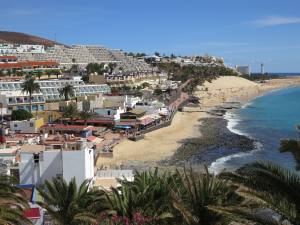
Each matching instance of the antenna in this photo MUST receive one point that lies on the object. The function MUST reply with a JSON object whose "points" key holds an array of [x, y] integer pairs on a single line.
{"points": [[55, 37]]}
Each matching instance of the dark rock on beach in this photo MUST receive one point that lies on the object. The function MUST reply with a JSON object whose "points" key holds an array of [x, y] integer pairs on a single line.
{"points": [[216, 141]]}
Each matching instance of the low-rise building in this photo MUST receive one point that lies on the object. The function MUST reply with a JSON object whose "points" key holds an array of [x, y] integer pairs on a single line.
{"points": [[38, 164], [26, 126], [112, 107], [244, 70], [78, 130], [132, 115]]}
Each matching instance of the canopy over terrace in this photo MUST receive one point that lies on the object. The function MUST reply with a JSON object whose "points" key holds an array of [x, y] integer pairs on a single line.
{"points": [[126, 125]]}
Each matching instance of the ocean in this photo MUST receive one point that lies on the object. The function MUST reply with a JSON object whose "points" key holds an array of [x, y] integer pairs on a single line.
{"points": [[266, 119]]}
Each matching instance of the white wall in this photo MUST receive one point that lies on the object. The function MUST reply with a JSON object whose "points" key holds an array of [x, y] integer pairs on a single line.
{"points": [[53, 163], [72, 167], [23, 126], [28, 170], [49, 166]]}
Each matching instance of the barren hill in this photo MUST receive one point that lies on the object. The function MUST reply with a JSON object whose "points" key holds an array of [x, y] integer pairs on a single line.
{"points": [[22, 38]]}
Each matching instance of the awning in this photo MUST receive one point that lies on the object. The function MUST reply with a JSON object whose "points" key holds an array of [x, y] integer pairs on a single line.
{"points": [[32, 213], [94, 139], [146, 121], [123, 127], [127, 123]]}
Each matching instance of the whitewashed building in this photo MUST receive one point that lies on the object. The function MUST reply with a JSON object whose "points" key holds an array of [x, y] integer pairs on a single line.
{"points": [[26, 126], [38, 164]]}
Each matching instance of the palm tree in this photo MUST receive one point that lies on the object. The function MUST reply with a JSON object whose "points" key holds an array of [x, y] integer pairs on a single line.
{"points": [[273, 187], [69, 205], [70, 111], [67, 92], [147, 195], [85, 115], [199, 198], [111, 67], [12, 203], [30, 86]]}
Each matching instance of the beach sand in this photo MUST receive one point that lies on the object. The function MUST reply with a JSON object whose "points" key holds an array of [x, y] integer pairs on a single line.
{"points": [[162, 144]]}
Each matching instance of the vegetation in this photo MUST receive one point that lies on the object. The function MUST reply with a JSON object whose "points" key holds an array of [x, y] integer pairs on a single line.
{"points": [[272, 187], [85, 115], [137, 55], [293, 146], [71, 112], [100, 68], [68, 204], [158, 92], [12, 203], [199, 74], [155, 198], [260, 77], [20, 114], [127, 90], [67, 92], [30, 86]]}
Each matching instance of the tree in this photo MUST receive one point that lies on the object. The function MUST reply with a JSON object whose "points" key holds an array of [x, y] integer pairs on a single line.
{"points": [[111, 67], [67, 92], [96, 68], [145, 85], [69, 205], [147, 195], [85, 115], [293, 146], [70, 111], [85, 78], [12, 203], [30, 86], [158, 92], [199, 197], [157, 54], [20, 114], [39, 74], [274, 187], [56, 72]]}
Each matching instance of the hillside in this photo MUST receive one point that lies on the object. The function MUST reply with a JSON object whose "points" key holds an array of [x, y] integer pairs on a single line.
{"points": [[22, 38]]}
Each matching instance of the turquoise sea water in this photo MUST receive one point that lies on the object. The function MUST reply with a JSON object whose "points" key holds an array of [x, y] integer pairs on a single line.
{"points": [[267, 119]]}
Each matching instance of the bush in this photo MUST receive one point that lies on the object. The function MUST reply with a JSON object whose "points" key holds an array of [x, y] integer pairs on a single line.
{"points": [[21, 114]]}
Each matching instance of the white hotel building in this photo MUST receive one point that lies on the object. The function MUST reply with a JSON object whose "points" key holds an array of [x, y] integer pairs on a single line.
{"points": [[12, 97]]}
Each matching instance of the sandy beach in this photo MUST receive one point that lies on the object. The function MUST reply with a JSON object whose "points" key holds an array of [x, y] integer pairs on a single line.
{"points": [[163, 143]]}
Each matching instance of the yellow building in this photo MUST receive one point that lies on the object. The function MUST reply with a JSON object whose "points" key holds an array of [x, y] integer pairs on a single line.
{"points": [[49, 116]]}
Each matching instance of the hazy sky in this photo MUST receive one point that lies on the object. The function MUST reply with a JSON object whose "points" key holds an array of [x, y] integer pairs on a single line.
{"points": [[241, 31]]}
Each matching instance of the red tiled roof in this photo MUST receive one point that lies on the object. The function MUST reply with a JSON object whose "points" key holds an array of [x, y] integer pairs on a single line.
{"points": [[67, 127], [128, 123], [19, 65], [33, 213], [97, 121], [146, 121], [91, 138], [8, 57]]}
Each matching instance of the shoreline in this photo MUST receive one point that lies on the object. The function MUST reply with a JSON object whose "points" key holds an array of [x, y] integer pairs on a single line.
{"points": [[161, 145]]}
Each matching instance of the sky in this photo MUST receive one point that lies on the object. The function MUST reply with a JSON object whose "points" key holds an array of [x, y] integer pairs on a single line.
{"points": [[243, 32]]}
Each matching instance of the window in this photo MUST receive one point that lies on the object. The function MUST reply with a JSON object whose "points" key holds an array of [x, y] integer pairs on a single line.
{"points": [[15, 125], [108, 112], [31, 124]]}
